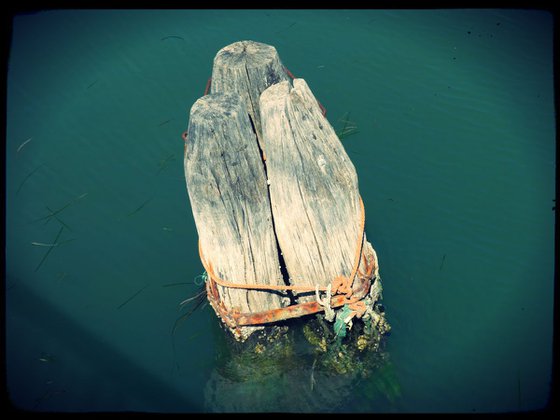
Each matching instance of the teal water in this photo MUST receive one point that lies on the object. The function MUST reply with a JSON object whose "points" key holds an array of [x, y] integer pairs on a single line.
{"points": [[455, 156]]}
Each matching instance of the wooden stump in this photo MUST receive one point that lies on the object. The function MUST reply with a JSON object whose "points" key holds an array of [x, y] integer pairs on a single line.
{"points": [[227, 189], [247, 68], [301, 201], [313, 187]]}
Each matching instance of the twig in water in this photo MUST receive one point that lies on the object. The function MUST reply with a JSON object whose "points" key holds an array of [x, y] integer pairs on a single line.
{"points": [[203, 292], [91, 84], [57, 218], [51, 245], [51, 248], [313, 374], [183, 317], [200, 299], [132, 297], [140, 207], [176, 284], [165, 122], [26, 178], [172, 37], [23, 144], [54, 213], [42, 244], [165, 161], [442, 261], [348, 129]]}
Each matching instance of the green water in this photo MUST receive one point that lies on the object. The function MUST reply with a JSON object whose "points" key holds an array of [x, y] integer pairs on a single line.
{"points": [[455, 156]]}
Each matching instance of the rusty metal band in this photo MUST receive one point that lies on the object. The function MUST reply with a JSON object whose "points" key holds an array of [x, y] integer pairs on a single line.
{"points": [[235, 319]]}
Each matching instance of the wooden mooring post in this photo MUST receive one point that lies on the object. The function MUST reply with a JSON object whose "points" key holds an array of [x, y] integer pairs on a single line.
{"points": [[275, 199]]}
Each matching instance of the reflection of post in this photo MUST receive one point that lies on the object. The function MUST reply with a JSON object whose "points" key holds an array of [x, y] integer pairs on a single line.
{"points": [[229, 199]]}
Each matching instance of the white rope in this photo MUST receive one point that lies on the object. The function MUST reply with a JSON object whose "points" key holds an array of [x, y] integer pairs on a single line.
{"points": [[325, 303]]}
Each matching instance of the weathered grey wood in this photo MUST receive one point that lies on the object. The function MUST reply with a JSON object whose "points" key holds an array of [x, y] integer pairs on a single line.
{"points": [[228, 194], [313, 187], [247, 68]]}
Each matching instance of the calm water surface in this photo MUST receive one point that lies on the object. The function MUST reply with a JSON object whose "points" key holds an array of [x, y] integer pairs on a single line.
{"points": [[455, 157]]}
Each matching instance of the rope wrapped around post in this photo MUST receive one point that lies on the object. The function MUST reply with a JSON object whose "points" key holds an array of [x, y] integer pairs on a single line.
{"points": [[341, 291]]}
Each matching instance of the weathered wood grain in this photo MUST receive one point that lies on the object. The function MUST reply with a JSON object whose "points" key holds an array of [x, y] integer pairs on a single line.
{"points": [[247, 68], [313, 187], [228, 194]]}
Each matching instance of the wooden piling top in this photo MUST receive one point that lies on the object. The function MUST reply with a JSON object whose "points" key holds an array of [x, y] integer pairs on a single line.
{"points": [[247, 68]]}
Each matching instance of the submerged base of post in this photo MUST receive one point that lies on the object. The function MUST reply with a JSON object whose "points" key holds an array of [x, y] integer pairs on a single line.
{"points": [[302, 365]]}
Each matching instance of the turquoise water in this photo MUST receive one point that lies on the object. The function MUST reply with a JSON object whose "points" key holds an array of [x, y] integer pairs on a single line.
{"points": [[455, 156]]}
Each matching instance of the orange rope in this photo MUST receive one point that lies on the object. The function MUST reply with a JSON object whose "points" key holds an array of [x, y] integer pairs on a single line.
{"points": [[340, 284], [208, 83]]}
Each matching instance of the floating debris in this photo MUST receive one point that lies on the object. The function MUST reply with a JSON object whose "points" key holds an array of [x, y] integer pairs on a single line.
{"points": [[199, 299], [172, 37], [51, 248], [197, 296], [177, 284], [165, 162], [92, 84], [52, 214], [132, 297], [442, 261], [140, 207], [42, 244], [46, 358], [26, 178], [348, 128], [23, 144], [51, 245], [167, 229], [165, 122]]}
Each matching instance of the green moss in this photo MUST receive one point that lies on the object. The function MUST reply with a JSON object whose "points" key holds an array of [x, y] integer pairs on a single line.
{"points": [[261, 356], [315, 337], [358, 354]]}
